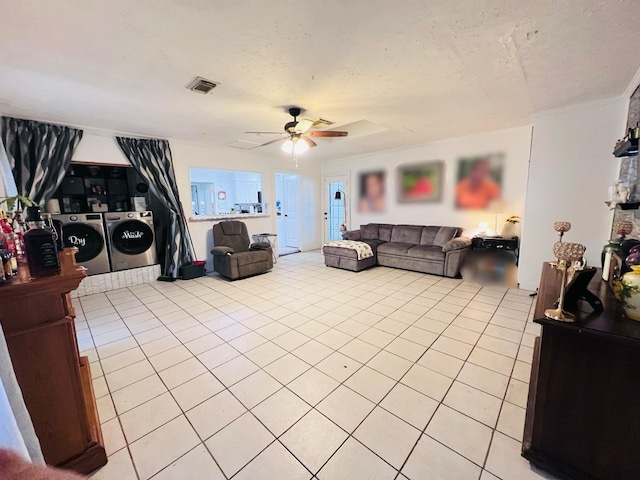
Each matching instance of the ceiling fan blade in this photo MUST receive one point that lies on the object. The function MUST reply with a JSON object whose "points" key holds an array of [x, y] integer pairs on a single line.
{"points": [[265, 133], [303, 125], [327, 133], [272, 141], [309, 142]]}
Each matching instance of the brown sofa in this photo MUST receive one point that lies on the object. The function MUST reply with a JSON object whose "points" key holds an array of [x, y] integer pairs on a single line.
{"points": [[427, 249], [233, 255]]}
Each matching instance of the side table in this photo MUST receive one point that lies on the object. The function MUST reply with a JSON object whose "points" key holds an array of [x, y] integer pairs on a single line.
{"points": [[497, 244], [492, 260], [266, 237]]}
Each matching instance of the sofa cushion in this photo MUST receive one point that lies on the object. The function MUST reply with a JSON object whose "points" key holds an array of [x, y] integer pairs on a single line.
{"points": [[384, 232], [445, 234], [256, 256], [407, 234], [369, 232], [374, 244], [395, 248], [340, 251], [231, 233], [429, 235], [427, 252]]}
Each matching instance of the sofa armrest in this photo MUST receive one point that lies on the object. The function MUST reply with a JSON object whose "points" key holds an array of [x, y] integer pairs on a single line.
{"points": [[458, 243], [260, 246], [222, 251], [351, 235]]}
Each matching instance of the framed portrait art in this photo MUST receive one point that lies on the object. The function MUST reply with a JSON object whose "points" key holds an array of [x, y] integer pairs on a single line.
{"points": [[479, 181], [421, 182]]}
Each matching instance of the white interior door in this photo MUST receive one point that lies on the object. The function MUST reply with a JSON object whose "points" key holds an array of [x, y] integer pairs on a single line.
{"points": [[335, 209], [290, 211]]}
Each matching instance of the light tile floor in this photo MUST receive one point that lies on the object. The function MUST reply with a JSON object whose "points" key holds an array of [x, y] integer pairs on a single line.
{"points": [[311, 372]]}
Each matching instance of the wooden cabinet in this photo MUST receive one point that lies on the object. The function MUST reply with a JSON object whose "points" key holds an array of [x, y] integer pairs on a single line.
{"points": [[582, 416], [37, 319]]}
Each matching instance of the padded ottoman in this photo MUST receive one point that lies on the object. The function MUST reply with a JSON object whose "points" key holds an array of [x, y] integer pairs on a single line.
{"points": [[346, 258]]}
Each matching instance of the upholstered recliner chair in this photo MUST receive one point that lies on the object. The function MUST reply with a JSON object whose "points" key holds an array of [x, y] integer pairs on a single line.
{"points": [[233, 254]]}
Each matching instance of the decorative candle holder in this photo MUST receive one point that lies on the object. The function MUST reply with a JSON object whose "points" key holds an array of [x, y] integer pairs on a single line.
{"points": [[561, 228], [566, 253], [622, 228]]}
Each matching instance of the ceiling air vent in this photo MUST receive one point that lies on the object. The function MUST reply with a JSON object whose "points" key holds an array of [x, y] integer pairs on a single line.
{"points": [[202, 85]]}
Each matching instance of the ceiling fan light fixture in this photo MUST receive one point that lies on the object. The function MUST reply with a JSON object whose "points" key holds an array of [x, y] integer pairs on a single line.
{"points": [[295, 145], [287, 146], [300, 147]]}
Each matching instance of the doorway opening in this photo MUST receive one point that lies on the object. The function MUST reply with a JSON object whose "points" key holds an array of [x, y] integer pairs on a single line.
{"points": [[287, 213], [335, 206]]}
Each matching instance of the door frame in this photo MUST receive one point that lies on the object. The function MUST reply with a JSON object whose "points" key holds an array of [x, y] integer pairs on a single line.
{"points": [[335, 177], [286, 172]]}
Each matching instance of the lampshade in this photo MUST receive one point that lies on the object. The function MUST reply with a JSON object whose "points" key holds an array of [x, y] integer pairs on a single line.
{"points": [[300, 146], [287, 146], [338, 195], [296, 145]]}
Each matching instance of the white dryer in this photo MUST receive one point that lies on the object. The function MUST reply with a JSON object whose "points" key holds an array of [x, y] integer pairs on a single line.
{"points": [[131, 239], [85, 231]]}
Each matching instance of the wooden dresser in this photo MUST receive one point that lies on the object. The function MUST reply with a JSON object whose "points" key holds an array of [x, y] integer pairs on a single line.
{"points": [[583, 412], [37, 319]]}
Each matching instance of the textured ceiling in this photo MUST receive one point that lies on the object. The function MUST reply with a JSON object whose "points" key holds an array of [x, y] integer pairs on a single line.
{"points": [[420, 70]]}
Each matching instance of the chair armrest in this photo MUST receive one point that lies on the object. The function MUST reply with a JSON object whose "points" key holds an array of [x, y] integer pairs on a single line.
{"points": [[459, 243], [260, 246], [351, 235], [222, 250]]}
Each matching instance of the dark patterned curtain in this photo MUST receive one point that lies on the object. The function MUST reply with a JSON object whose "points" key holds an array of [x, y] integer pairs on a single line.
{"points": [[39, 155], [151, 158]]}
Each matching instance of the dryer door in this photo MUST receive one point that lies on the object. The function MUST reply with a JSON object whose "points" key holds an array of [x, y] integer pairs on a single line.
{"points": [[132, 237], [89, 241]]}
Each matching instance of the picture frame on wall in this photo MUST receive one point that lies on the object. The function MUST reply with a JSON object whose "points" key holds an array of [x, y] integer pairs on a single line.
{"points": [[372, 197], [421, 182], [479, 181]]}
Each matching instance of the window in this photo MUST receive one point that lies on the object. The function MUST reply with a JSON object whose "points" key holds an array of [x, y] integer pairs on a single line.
{"points": [[224, 192]]}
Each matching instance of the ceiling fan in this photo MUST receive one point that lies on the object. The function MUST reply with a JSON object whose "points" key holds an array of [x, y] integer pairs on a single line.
{"points": [[297, 134]]}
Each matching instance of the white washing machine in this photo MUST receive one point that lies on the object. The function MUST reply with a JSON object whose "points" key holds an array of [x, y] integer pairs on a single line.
{"points": [[131, 239], [85, 231]]}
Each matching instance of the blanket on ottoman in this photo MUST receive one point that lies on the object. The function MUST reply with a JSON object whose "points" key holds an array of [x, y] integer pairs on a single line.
{"points": [[362, 249]]}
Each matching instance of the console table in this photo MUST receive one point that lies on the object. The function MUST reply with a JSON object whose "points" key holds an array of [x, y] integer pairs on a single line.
{"points": [[583, 418], [37, 318]]}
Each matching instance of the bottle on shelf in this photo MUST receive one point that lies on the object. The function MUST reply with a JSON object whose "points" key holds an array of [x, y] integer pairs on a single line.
{"points": [[3, 277], [18, 238], [9, 243], [6, 257], [40, 245]]}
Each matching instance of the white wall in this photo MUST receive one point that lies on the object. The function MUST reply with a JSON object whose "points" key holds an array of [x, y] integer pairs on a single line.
{"points": [[571, 170], [514, 143], [102, 149], [99, 149]]}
